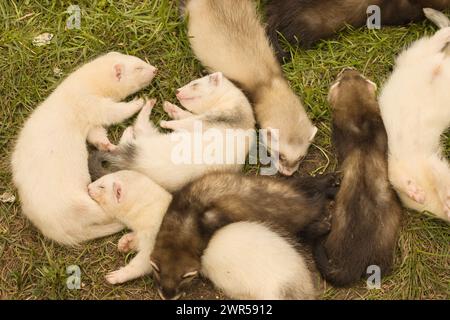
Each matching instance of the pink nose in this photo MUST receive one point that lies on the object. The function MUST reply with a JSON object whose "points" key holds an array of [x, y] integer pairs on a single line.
{"points": [[155, 70], [177, 91]]}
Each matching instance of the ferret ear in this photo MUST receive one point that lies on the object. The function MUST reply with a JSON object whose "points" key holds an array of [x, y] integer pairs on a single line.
{"points": [[216, 78], [190, 274], [118, 192], [313, 134], [372, 86], [154, 265], [118, 71], [333, 91]]}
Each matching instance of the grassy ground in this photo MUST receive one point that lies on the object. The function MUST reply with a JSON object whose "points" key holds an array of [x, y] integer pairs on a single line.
{"points": [[32, 267]]}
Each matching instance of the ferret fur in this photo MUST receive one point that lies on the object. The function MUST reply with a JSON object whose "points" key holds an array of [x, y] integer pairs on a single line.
{"points": [[218, 104], [366, 216], [437, 17], [414, 106], [249, 260], [197, 211], [228, 36], [138, 203], [307, 21], [49, 162]]}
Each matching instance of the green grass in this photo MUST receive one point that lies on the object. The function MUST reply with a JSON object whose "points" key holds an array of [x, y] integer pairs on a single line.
{"points": [[32, 267]]}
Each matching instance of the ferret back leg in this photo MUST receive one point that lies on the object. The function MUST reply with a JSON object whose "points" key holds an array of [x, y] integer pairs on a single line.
{"points": [[408, 186], [138, 266]]}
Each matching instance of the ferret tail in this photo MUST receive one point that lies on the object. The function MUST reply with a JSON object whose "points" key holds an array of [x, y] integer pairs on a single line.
{"points": [[337, 276], [102, 163], [73, 235], [87, 221], [87, 233], [437, 17]]}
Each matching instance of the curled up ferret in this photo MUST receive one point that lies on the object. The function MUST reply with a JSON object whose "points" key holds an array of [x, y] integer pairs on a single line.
{"points": [[252, 261], [138, 203], [241, 50], [50, 159], [415, 109], [176, 158], [366, 216], [296, 206]]}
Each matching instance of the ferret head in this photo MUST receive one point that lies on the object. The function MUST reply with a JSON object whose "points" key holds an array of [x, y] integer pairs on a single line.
{"points": [[351, 91], [175, 259], [113, 193], [290, 150], [118, 75], [173, 271], [289, 130], [199, 95]]}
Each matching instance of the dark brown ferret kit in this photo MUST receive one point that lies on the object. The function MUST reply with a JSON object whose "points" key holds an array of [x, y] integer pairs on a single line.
{"points": [[366, 217], [296, 205], [306, 21]]}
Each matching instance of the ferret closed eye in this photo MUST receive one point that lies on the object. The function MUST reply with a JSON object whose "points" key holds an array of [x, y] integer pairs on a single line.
{"points": [[366, 215], [140, 204], [53, 188], [210, 203], [212, 101], [247, 59]]}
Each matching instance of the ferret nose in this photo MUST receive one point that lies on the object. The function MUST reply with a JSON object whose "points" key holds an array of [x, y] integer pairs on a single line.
{"points": [[168, 293], [177, 91], [155, 70]]}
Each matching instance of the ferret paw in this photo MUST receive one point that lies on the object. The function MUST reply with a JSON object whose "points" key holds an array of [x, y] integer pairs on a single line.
{"points": [[172, 110], [146, 111], [118, 276], [137, 104], [150, 104], [166, 124], [415, 192], [127, 243], [107, 147], [127, 135]]}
